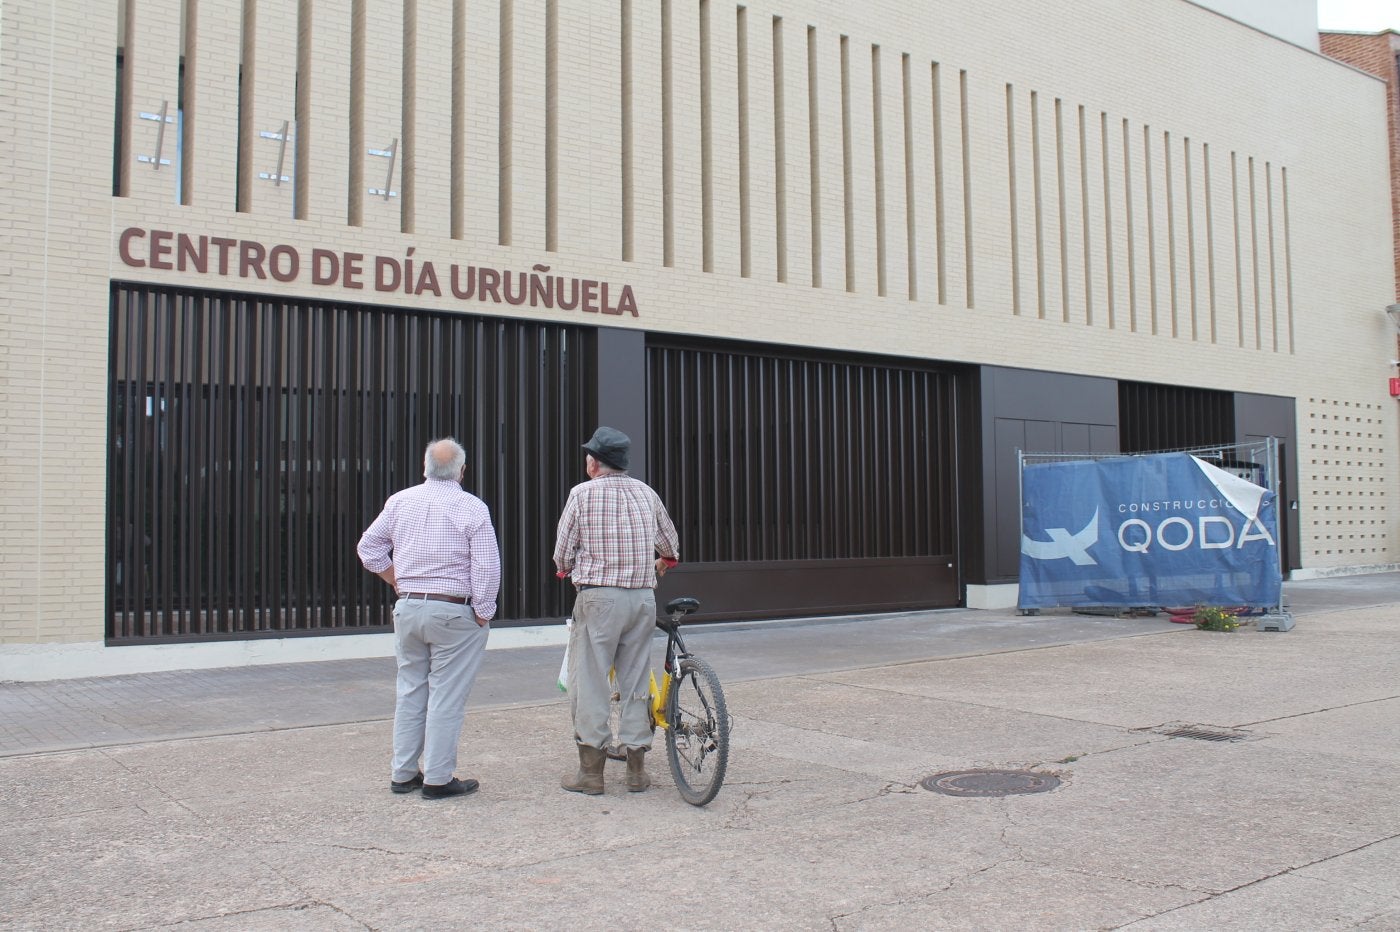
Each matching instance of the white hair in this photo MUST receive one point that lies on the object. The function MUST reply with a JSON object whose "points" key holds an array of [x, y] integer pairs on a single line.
{"points": [[444, 459]]}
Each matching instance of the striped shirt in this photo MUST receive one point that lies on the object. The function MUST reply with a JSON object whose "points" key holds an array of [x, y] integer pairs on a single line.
{"points": [[611, 531], [441, 541]]}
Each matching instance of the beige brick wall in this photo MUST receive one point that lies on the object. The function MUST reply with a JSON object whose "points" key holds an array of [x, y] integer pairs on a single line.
{"points": [[1319, 258]]}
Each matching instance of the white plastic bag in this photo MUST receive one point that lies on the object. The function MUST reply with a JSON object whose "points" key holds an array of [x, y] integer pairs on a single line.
{"points": [[563, 681]]}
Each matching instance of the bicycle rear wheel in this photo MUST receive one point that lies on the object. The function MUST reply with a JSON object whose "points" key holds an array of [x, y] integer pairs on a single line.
{"points": [[697, 736]]}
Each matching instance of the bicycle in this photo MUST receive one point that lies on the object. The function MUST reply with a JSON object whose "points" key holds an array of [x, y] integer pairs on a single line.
{"points": [[689, 706]]}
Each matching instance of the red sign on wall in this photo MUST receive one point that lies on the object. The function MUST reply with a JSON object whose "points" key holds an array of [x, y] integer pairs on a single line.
{"points": [[1394, 388]]}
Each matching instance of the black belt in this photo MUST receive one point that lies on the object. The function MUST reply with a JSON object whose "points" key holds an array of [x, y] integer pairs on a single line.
{"points": [[583, 586], [434, 597]]}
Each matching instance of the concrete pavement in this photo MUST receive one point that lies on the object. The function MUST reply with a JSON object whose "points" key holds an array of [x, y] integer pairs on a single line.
{"points": [[256, 799]]}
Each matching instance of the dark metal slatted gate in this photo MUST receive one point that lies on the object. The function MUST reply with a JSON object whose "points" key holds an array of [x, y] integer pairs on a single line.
{"points": [[252, 439], [1173, 417], [803, 484]]}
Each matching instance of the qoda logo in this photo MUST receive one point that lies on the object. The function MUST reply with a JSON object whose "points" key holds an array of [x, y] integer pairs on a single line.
{"points": [[1063, 545], [1135, 535]]}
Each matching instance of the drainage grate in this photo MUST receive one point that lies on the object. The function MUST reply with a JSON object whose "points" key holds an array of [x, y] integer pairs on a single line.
{"points": [[989, 782], [1203, 734]]}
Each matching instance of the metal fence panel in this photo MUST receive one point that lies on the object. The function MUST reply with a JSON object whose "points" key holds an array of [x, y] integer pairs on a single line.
{"points": [[803, 483], [252, 439]]}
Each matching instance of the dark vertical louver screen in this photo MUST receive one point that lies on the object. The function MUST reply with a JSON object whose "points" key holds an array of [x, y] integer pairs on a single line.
{"points": [[252, 439], [1170, 417], [765, 458]]}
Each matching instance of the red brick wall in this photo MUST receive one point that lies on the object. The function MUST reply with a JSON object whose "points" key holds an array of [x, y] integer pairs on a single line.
{"points": [[1376, 54]]}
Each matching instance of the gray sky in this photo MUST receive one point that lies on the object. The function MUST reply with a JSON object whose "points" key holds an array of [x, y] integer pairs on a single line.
{"points": [[1358, 15]]}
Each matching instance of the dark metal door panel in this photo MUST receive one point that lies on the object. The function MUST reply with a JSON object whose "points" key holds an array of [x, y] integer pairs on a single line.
{"points": [[803, 483], [251, 440]]}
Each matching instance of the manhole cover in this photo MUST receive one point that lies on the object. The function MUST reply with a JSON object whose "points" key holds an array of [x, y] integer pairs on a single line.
{"points": [[989, 782]]}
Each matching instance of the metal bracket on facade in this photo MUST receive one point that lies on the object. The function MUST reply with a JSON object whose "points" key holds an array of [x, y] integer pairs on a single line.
{"points": [[277, 177], [391, 154], [155, 161]]}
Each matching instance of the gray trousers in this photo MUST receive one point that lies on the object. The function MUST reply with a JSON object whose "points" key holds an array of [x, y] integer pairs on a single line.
{"points": [[439, 647], [612, 631]]}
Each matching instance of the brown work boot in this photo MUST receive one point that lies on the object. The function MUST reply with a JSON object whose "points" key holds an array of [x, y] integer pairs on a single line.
{"points": [[589, 779], [637, 779]]}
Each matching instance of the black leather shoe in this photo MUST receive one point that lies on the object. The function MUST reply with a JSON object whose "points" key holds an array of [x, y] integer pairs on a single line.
{"points": [[453, 787], [407, 786]]}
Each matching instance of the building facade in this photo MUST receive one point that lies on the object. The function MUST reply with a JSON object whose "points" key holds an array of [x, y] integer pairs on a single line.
{"points": [[1378, 54], [830, 265]]}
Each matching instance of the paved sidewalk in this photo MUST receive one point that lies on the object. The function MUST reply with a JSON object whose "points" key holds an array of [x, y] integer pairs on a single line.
{"points": [[280, 819], [103, 711]]}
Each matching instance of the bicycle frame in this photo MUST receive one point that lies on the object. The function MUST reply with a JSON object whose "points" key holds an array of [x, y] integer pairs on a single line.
{"points": [[675, 651]]}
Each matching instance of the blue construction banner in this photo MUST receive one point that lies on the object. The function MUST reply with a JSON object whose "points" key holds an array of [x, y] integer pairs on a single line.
{"points": [[1168, 529]]}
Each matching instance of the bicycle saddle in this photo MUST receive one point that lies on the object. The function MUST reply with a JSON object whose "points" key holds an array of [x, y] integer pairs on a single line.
{"points": [[682, 606]]}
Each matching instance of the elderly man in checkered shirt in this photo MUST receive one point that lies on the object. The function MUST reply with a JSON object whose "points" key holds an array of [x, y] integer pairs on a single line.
{"points": [[615, 538], [435, 545]]}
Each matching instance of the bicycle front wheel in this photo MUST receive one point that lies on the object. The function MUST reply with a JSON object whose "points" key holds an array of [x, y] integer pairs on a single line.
{"points": [[697, 733]]}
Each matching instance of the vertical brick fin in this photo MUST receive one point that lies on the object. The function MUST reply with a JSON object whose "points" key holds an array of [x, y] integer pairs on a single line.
{"points": [[878, 136], [1210, 242], [1038, 205], [188, 99], [780, 227], [940, 228], [150, 167], [247, 102], [1011, 196], [1085, 213], [707, 145], [1273, 255], [967, 185], [847, 168], [1190, 236], [121, 142], [1254, 256], [1170, 193], [668, 140], [1111, 297], [1060, 208], [814, 155], [1150, 210], [458, 145], [303, 118], [505, 125], [408, 120], [911, 237], [741, 30], [1288, 255], [1129, 226], [627, 143], [551, 126], [1239, 247], [355, 196]]}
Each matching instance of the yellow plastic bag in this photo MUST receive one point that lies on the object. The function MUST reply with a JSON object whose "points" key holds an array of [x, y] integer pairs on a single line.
{"points": [[658, 700]]}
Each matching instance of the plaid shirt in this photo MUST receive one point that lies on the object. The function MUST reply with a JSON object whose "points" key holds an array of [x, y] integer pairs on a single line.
{"points": [[442, 542], [611, 530]]}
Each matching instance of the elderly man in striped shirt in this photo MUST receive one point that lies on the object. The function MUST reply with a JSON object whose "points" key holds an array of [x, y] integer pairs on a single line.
{"points": [[615, 538], [434, 543]]}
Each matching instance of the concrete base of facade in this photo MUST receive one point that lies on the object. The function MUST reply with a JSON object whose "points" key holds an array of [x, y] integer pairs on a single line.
{"points": [[1328, 572], [76, 660], [39, 662], [997, 597]]}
